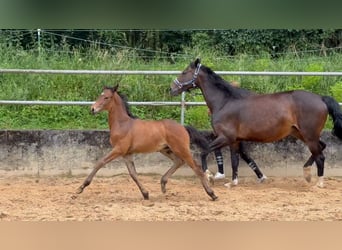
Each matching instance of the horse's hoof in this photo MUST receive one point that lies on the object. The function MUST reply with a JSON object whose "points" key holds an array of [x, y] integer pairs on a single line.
{"points": [[262, 179], [214, 197], [227, 185], [235, 182], [163, 188], [79, 190], [74, 196], [307, 174], [210, 177], [146, 196], [147, 203], [320, 182], [320, 185]]}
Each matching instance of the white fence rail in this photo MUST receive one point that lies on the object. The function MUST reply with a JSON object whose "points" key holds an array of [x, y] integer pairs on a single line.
{"points": [[181, 103], [164, 72]]}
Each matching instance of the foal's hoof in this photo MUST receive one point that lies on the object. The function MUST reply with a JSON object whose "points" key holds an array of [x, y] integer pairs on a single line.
{"points": [[213, 197], [146, 196], [147, 203], [163, 187], [235, 182], [79, 190], [307, 174], [74, 196]]}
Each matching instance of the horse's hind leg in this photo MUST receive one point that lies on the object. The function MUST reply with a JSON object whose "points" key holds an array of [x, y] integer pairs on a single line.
{"points": [[251, 163], [183, 152], [177, 162], [133, 173], [208, 174], [309, 162], [316, 150]]}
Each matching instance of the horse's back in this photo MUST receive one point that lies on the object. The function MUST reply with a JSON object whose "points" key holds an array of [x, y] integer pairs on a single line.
{"points": [[153, 135], [176, 132], [270, 117]]}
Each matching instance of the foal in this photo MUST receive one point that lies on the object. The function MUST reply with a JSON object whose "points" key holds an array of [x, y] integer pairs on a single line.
{"points": [[129, 136]]}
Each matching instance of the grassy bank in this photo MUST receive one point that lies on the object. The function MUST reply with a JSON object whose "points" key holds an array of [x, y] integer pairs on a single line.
{"points": [[137, 87]]}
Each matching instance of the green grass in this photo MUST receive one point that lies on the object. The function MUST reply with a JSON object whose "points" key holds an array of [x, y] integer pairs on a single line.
{"points": [[137, 87]]}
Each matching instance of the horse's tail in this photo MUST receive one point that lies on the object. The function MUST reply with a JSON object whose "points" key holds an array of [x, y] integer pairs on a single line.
{"points": [[335, 113], [199, 138]]}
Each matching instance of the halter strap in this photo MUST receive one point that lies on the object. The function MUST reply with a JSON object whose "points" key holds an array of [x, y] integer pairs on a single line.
{"points": [[192, 81]]}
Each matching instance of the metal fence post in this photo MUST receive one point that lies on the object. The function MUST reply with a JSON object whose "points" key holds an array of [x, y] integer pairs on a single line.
{"points": [[183, 108]]}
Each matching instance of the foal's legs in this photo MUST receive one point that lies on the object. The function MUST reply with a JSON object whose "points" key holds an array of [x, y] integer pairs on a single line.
{"points": [[177, 162], [182, 151], [133, 173], [109, 157]]}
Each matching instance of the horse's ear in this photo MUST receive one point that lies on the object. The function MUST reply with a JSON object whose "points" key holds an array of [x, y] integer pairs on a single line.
{"points": [[197, 61], [115, 88]]}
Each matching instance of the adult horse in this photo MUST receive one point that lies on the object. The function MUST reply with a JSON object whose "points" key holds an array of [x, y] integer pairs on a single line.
{"points": [[210, 136], [130, 135], [262, 118]]}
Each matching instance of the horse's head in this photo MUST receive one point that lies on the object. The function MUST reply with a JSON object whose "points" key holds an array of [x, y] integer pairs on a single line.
{"points": [[187, 79], [103, 101]]}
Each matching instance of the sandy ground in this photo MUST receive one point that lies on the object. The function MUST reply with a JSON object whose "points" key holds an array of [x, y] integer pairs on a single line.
{"points": [[117, 198]]}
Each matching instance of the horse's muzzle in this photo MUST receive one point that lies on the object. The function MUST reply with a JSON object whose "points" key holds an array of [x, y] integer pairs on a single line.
{"points": [[175, 92], [93, 111]]}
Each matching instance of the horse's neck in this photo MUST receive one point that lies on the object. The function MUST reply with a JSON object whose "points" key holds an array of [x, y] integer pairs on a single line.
{"points": [[212, 96], [117, 115]]}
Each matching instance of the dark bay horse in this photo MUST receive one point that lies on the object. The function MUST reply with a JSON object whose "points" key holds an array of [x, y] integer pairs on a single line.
{"points": [[210, 136], [130, 135], [264, 117]]}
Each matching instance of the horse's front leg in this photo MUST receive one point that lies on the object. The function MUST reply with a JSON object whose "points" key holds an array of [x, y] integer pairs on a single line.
{"points": [[234, 156], [133, 173], [109, 157]]}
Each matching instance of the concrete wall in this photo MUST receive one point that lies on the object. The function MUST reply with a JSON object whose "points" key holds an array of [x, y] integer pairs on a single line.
{"points": [[74, 152]]}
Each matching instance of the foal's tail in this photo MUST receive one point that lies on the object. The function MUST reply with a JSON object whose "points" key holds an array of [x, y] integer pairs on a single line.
{"points": [[335, 113], [200, 138]]}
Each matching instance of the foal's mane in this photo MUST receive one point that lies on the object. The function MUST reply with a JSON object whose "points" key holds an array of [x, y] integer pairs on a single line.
{"points": [[229, 90], [124, 100]]}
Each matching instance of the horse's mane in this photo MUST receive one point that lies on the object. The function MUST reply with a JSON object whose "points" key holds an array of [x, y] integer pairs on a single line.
{"points": [[226, 87], [125, 102], [127, 107]]}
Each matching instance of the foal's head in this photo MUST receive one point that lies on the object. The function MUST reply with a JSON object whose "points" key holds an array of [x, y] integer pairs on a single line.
{"points": [[103, 102]]}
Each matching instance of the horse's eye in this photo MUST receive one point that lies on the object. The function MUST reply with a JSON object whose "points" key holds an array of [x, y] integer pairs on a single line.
{"points": [[106, 98]]}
